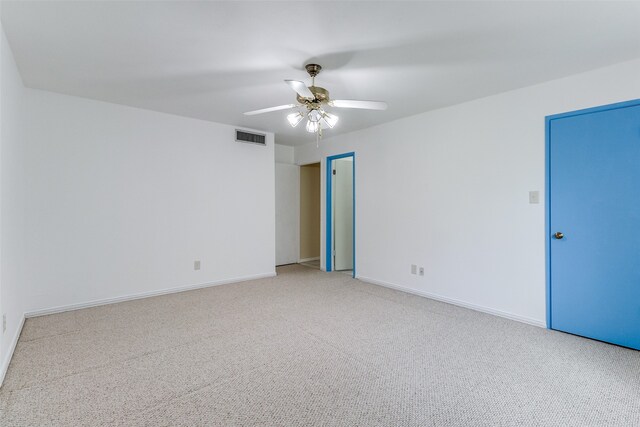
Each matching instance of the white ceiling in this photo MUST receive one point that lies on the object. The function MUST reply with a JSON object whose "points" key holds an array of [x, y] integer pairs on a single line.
{"points": [[215, 60]]}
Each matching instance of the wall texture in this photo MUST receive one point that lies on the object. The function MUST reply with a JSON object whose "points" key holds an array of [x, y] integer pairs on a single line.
{"points": [[284, 154], [287, 206], [122, 201], [448, 190], [13, 121]]}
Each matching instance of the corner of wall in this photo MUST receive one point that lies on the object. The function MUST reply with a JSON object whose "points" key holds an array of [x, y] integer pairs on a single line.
{"points": [[6, 359], [12, 302]]}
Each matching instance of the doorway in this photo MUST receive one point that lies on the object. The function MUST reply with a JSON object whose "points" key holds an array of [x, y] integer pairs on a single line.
{"points": [[340, 239], [309, 254], [593, 212]]}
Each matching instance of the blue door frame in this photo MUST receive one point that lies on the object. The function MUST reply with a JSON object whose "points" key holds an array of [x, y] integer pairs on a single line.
{"points": [[548, 239], [328, 182]]}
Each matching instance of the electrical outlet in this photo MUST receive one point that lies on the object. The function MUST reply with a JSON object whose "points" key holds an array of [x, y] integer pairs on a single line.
{"points": [[414, 269], [422, 271], [4, 323], [196, 265]]}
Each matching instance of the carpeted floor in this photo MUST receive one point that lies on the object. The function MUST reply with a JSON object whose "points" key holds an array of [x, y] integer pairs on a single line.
{"points": [[310, 348], [315, 263]]}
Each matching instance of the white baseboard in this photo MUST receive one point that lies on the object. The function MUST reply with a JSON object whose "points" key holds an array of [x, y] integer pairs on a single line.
{"points": [[9, 355], [130, 297], [453, 301], [309, 259], [7, 359]]}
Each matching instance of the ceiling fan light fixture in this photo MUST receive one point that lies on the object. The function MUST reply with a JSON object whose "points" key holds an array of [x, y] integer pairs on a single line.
{"points": [[330, 119], [310, 104], [295, 118], [313, 127], [314, 116]]}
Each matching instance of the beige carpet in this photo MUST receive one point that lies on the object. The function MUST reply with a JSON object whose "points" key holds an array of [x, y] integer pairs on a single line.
{"points": [[310, 348], [314, 264]]}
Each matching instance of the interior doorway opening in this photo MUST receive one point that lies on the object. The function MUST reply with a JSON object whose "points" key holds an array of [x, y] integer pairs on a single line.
{"points": [[340, 239], [310, 215]]}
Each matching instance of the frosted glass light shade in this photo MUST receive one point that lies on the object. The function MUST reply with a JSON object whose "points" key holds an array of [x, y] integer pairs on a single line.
{"points": [[330, 119], [295, 118], [313, 127], [314, 116]]}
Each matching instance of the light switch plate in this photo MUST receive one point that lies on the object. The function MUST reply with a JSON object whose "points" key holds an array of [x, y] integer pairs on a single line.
{"points": [[534, 197], [196, 265], [414, 269]]}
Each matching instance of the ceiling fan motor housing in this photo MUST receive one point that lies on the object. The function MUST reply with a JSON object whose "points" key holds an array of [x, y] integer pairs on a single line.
{"points": [[313, 69], [315, 97], [320, 96]]}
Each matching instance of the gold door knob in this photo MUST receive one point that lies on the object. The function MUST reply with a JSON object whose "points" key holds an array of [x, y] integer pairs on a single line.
{"points": [[558, 235]]}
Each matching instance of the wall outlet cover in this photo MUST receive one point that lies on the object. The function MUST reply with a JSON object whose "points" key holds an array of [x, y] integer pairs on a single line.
{"points": [[422, 271]]}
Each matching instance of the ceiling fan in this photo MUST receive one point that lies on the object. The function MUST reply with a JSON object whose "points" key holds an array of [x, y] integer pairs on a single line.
{"points": [[311, 103]]}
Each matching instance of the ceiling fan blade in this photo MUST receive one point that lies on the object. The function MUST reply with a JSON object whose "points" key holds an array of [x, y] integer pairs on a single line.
{"points": [[300, 88], [350, 103], [270, 109]]}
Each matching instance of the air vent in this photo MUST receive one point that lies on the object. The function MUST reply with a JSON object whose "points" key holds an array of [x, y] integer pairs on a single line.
{"points": [[253, 138]]}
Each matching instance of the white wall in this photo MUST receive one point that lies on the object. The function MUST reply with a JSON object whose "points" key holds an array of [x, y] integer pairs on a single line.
{"points": [[122, 201], [12, 123], [448, 190], [284, 154], [287, 213], [287, 205]]}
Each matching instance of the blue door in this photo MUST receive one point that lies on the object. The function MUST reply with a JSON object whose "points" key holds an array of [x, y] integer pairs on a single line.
{"points": [[594, 223]]}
